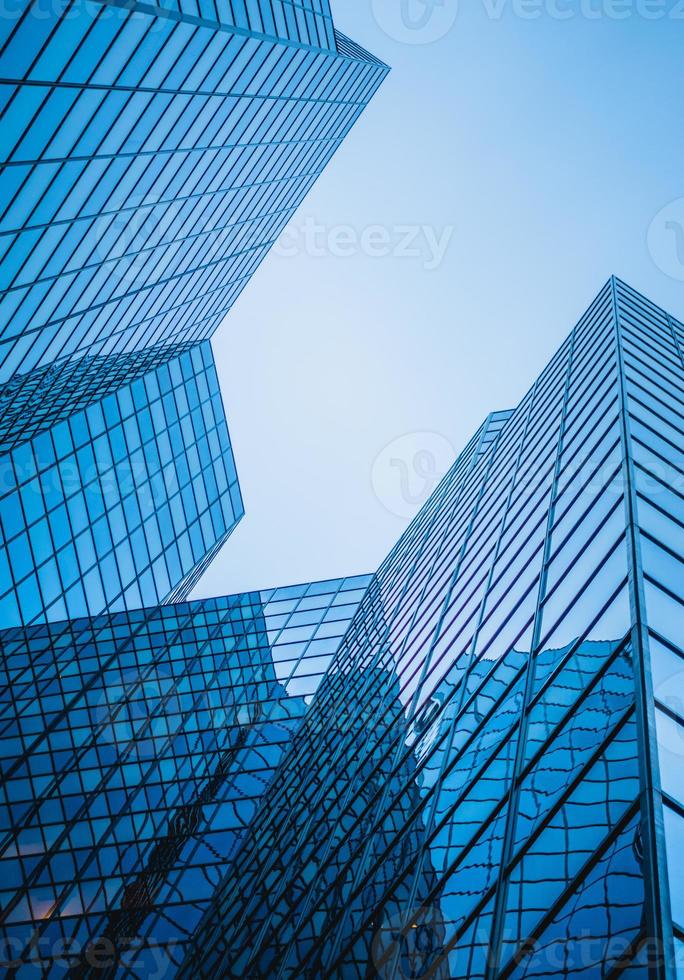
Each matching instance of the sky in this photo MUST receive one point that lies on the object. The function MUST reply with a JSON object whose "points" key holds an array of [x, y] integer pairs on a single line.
{"points": [[518, 154]]}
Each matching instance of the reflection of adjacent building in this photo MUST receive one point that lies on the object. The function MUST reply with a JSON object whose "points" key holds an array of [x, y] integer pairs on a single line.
{"points": [[570, 835], [381, 800], [141, 894], [487, 758], [136, 748], [405, 868], [341, 822]]}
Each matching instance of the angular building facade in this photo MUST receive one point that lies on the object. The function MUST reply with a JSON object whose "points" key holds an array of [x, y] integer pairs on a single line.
{"points": [[466, 766], [134, 750], [488, 783], [151, 156], [113, 503]]}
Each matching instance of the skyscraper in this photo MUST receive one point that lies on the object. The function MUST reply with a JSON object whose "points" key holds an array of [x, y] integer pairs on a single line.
{"points": [[494, 758], [152, 155], [134, 748]]}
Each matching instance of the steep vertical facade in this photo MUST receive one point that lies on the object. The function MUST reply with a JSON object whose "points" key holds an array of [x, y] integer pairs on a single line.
{"points": [[494, 757]]}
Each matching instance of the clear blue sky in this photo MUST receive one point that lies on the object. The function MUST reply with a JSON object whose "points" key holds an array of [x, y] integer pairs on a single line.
{"points": [[545, 148]]}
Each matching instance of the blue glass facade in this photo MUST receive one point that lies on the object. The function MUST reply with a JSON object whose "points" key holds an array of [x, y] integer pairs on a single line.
{"points": [[121, 502], [468, 765], [135, 748], [494, 757], [152, 154]]}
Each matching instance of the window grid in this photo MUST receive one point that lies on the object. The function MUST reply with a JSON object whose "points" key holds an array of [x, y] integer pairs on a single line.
{"points": [[481, 714], [135, 748]]}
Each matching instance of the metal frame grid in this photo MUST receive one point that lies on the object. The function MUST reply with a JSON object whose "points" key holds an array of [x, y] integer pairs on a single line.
{"points": [[120, 503], [306, 21], [34, 402], [134, 748], [503, 658], [151, 159]]}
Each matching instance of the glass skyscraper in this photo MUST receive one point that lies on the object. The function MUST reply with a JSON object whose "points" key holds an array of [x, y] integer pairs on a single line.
{"points": [[488, 783], [150, 156], [467, 765], [152, 153], [135, 747]]}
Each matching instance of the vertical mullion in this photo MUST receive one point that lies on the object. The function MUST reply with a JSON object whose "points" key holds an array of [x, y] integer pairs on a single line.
{"points": [[379, 809], [658, 917], [514, 794], [675, 338], [315, 808], [473, 643]]}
